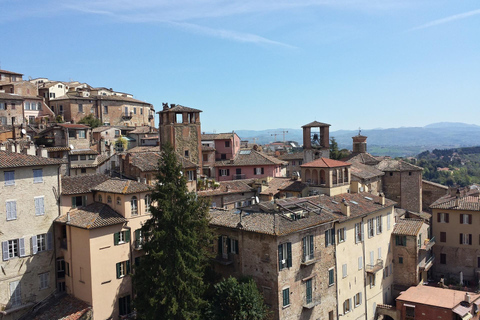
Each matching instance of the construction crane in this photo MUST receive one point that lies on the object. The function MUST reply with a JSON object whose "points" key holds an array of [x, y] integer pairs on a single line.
{"points": [[277, 134]]}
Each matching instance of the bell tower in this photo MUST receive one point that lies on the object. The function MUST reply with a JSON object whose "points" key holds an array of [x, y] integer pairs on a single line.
{"points": [[316, 141]]}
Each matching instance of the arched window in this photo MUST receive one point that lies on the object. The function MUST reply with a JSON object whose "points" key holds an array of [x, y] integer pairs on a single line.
{"points": [[100, 198], [134, 206], [109, 199], [147, 203], [119, 201]]}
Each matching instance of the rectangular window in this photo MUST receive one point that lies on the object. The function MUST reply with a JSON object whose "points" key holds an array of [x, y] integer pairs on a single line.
{"points": [[372, 280], [379, 224], [347, 306], [400, 260], [124, 305], [227, 144], [380, 253], [442, 217], [465, 219], [42, 242], [123, 269], [285, 255], [126, 111], [79, 201], [401, 241], [371, 227], [134, 110], [331, 276], [224, 172], [9, 177], [15, 294], [27, 105], [39, 206], [344, 270], [105, 109], [258, 171], [357, 299], [308, 291], [329, 237], [121, 237], [2, 105], [358, 232], [13, 248], [80, 107], [81, 134], [308, 248], [360, 263], [191, 175], [342, 235], [44, 277], [11, 209], [443, 258], [465, 238], [286, 297], [72, 134]]}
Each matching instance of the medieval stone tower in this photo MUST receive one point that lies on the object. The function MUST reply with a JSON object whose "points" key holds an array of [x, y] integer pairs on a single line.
{"points": [[316, 141], [359, 144], [180, 126]]}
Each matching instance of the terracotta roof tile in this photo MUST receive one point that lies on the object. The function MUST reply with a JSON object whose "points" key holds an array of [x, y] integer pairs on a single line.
{"points": [[82, 184], [120, 186], [325, 163], [218, 136], [364, 171], [15, 160], [64, 308], [179, 108], [95, 215], [471, 201], [292, 156], [396, 165], [249, 157], [433, 296], [316, 124], [364, 158], [407, 227], [227, 187]]}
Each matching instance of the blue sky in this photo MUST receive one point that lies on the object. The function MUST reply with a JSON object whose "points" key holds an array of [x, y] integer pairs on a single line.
{"points": [[256, 64]]}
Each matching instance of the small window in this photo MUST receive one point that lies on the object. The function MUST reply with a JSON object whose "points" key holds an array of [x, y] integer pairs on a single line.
{"points": [[121, 237], [81, 134], [286, 297], [9, 177], [83, 170], [83, 157], [347, 306], [11, 209], [400, 260], [227, 144], [331, 276], [308, 248], [39, 205], [341, 235], [147, 203], [134, 206], [105, 109], [123, 269], [443, 258], [119, 201], [80, 107], [72, 134], [443, 236], [124, 305], [109, 199], [100, 199], [186, 154], [344, 271], [357, 299]]}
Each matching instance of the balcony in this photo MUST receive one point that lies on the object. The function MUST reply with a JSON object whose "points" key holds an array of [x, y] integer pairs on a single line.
{"points": [[239, 176], [428, 263], [374, 268], [127, 116], [224, 259], [311, 302], [139, 244], [428, 244], [307, 262], [150, 117]]}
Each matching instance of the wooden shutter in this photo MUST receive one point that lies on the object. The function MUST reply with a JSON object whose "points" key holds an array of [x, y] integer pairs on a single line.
{"points": [[37, 206], [461, 218], [311, 247], [280, 256], [9, 210], [127, 236], [137, 234], [344, 230], [461, 238], [470, 239], [360, 298], [360, 262], [116, 238], [326, 238], [229, 245], [332, 232], [5, 250], [446, 217], [438, 217], [49, 241], [127, 269], [41, 202], [220, 245], [469, 219], [21, 244], [74, 202], [263, 171], [361, 229], [304, 245], [289, 254], [34, 245], [228, 172], [235, 242], [118, 270]]}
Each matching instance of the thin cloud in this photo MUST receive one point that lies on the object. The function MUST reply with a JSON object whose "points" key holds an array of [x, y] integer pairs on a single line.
{"points": [[455, 17]]}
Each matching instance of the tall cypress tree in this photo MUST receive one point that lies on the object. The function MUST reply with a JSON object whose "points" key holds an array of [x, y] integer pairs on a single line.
{"points": [[168, 281]]}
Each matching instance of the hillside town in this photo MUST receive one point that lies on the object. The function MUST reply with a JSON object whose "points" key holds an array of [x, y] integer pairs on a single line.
{"points": [[356, 237]]}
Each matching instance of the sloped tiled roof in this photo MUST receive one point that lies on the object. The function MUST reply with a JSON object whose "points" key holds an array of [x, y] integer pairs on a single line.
{"points": [[396, 165], [82, 184], [363, 171], [10, 96], [275, 185], [227, 187], [15, 160], [73, 126], [186, 164], [316, 124], [364, 158], [469, 201], [295, 186], [144, 129], [179, 108], [292, 156], [145, 161], [117, 185], [53, 149], [82, 151], [65, 307], [218, 136], [325, 163], [11, 72], [249, 157], [434, 296], [143, 149], [95, 215], [407, 227]]}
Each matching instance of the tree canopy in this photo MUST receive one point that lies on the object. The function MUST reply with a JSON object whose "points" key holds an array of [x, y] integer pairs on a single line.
{"points": [[91, 120], [237, 300], [168, 281]]}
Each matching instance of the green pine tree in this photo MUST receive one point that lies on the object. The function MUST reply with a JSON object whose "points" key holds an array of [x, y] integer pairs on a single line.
{"points": [[237, 300], [91, 120], [168, 281], [334, 153]]}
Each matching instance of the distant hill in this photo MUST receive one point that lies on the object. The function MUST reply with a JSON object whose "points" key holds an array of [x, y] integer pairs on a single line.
{"points": [[404, 141]]}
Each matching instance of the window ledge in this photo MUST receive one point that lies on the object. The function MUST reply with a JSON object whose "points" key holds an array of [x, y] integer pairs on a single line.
{"points": [[310, 262]]}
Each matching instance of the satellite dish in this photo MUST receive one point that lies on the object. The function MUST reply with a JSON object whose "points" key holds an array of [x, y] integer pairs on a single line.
{"points": [[24, 131], [72, 147]]}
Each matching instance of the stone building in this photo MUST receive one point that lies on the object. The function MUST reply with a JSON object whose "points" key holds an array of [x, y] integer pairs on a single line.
{"points": [[99, 240], [7, 77], [180, 127], [282, 247], [229, 194], [431, 192], [77, 136], [316, 141], [11, 109], [412, 253], [455, 220], [280, 188], [295, 160], [226, 145], [29, 187]]}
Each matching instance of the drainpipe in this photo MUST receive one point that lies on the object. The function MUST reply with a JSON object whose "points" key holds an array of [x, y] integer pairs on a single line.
{"points": [[364, 270], [336, 269]]}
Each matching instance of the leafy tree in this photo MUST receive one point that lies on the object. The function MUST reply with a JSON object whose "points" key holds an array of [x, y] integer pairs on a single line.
{"points": [[334, 153], [91, 120], [237, 300], [168, 280]]}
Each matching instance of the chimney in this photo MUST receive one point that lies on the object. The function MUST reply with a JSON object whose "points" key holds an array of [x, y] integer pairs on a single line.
{"points": [[68, 216], [467, 298], [42, 152], [345, 208], [382, 198], [457, 198]]}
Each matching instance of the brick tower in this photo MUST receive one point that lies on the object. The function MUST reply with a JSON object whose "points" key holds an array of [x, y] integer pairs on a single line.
{"points": [[316, 141]]}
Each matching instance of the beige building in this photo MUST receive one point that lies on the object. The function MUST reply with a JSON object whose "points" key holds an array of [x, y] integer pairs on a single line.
{"points": [[29, 186], [455, 220], [326, 176], [100, 240]]}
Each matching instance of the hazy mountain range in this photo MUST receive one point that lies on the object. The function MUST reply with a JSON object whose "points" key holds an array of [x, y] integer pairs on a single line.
{"points": [[404, 141]]}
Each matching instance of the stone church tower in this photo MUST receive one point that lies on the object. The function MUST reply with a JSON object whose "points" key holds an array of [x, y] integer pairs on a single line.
{"points": [[180, 126], [316, 141]]}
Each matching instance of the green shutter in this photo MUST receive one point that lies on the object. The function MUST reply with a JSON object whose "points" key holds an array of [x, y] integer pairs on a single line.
{"points": [[127, 271], [127, 236], [137, 234], [280, 256], [289, 254], [220, 245], [229, 245], [118, 270], [116, 238], [311, 247], [73, 202], [304, 244]]}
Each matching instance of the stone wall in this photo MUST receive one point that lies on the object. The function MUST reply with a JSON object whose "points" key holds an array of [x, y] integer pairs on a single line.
{"points": [[431, 192], [404, 187]]}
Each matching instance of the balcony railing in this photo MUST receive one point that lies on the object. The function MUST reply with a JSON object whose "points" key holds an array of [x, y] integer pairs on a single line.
{"points": [[311, 302], [138, 244], [224, 259], [127, 116], [428, 244], [239, 176], [374, 268], [428, 263]]}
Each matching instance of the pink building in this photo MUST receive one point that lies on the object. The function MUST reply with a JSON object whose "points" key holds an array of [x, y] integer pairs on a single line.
{"points": [[249, 164], [226, 145]]}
